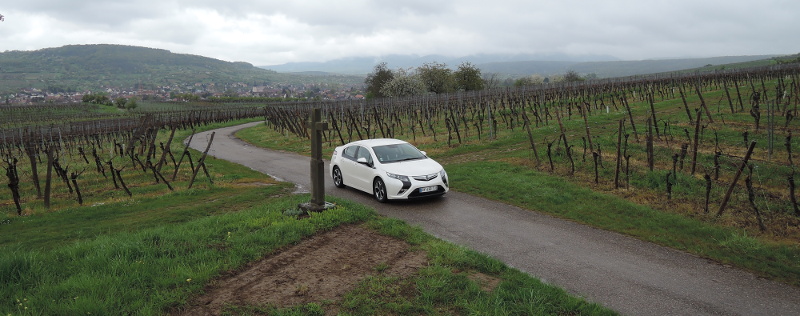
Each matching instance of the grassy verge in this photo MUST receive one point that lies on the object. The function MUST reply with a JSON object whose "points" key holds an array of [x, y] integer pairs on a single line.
{"points": [[153, 269], [474, 169], [530, 189]]}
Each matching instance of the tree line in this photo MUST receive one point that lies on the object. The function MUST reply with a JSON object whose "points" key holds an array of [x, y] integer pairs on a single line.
{"points": [[434, 78], [102, 99], [438, 78]]}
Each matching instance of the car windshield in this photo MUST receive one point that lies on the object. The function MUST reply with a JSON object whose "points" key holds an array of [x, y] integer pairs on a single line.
{"points": [[397, 152]]}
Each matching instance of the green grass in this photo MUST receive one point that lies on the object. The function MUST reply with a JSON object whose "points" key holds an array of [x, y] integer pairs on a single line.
{"points": [[153, 269], [67, 226], [274, 140], [148, 270]]}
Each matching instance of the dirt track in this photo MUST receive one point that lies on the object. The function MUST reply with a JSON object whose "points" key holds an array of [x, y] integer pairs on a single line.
{"points": [[622, 273], [321, 268]]}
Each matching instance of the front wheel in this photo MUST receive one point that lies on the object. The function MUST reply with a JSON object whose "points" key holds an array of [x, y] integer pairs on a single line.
{"points": [[338, 181], [379, 190]]}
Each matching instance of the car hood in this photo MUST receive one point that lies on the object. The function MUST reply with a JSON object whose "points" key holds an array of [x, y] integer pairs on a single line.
{"points": [[413, 167]]}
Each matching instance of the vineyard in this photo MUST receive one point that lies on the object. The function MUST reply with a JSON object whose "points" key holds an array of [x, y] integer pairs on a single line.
{"points": [[57, 151], [716, 146]]}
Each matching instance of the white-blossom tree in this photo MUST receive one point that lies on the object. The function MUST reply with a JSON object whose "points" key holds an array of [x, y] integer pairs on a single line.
{"points": [[404, 83]]}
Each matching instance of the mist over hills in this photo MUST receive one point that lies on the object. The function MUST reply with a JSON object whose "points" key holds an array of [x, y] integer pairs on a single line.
{"points": [[519, 65], [364, 65], [98, 66]]}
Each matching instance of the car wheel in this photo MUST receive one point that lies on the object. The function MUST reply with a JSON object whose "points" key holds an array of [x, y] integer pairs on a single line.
{"points": [[379, 190], [338, 181]]}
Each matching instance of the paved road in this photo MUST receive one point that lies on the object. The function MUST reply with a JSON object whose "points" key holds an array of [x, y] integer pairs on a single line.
{"points": [[628, 275]]}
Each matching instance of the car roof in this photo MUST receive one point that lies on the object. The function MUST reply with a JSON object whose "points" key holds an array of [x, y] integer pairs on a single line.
{"points": [[377, 142]]}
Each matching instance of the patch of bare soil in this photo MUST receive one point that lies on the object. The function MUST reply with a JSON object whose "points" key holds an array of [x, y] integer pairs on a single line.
{"points": [[323, 267]]}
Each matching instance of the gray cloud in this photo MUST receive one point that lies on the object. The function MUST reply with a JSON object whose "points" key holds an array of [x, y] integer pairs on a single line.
{"points": [[274, 32]]}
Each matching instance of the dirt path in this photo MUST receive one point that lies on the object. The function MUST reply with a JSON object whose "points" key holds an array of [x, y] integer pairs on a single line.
{"points": [[622, 273], [321, 268]]}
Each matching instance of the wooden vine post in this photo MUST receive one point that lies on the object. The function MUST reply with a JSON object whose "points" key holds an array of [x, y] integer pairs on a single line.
{"points": [[735, 179], [792, 197], [630, 116], [696, 141], [184, 154], [649, 145], [527, 124], [202, 163], [74, 177], [165, 149], [619, 155], [703, 102], [586, 124], [653, 113], [566, 144], [49, 180], [13, 183]]}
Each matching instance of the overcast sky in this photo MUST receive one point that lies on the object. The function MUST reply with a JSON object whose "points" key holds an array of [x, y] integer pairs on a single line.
{"points": [[277, 32]]}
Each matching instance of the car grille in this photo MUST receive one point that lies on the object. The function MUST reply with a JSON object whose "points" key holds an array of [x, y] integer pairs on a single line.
{"points": [[426, 177]]}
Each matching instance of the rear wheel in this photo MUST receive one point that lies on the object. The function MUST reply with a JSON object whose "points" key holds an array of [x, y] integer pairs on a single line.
{"points": [[338, 181], [379, 190]]}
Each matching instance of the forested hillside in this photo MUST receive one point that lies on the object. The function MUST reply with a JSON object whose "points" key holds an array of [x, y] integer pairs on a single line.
{"points": [[91, 67]]}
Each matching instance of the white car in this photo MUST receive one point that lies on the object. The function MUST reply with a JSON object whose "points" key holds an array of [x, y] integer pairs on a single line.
{"points": [[388, 169]]}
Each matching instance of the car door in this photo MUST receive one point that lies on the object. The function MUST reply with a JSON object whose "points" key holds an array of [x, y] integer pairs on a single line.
{"points": [[363, 173], [352, 171], [346, 165]]}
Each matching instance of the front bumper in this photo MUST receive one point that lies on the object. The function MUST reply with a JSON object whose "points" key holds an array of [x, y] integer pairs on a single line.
{"points": [[413, 188]]}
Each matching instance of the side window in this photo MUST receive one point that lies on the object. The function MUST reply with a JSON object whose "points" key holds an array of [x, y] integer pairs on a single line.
{"points": [[364, 153], [350, 152]]}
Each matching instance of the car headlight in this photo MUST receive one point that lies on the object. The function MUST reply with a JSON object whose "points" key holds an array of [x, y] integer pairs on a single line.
{"points": [[443, 174], [398, 177]]}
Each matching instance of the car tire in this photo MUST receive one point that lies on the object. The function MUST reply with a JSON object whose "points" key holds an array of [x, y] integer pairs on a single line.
{"points": [[379, 190], [338, 181]]}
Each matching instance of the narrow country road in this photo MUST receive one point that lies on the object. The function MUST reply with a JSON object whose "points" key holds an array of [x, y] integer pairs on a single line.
{"points": [[625, 274]]}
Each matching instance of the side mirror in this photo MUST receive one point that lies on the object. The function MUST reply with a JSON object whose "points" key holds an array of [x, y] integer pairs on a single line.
{"points": [[424, 153], [364, 161]]}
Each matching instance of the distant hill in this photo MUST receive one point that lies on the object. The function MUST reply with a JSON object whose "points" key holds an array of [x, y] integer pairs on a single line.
{"points": [[794, 58], [641, 67], [92, 67], [521, 65]]}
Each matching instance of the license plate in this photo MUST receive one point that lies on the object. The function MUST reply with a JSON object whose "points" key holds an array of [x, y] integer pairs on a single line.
{"points": [[428, 189]]}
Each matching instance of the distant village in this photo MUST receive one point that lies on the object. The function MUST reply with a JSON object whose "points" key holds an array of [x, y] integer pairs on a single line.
{"points": [[189, 92]]}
